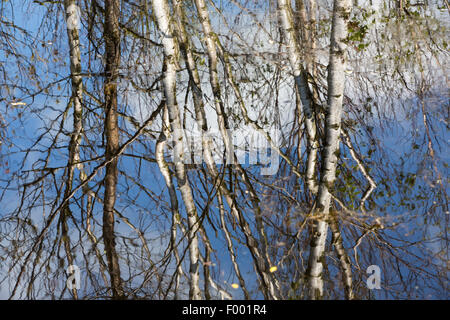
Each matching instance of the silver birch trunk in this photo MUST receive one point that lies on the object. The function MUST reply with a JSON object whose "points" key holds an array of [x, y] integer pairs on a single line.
{"points": [[312, 37], [162, 14], [262, 261], [301, 81], [164, 168], [76, 101], [336, 81]]}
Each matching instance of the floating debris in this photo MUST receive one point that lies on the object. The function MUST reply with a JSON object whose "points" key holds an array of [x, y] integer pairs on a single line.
{"points": [[20, 103]]}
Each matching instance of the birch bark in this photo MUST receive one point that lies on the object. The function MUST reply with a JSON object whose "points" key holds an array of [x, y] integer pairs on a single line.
{"points": [[164, 168], [336, 81], [301, 81], [162, 14], [76, 100], [261, 258]]}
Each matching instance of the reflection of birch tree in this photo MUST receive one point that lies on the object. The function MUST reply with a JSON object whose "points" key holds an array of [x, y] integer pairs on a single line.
{"points": [[76, 101], [336, 83], [301, 81], [88, 123], [171, 51]]}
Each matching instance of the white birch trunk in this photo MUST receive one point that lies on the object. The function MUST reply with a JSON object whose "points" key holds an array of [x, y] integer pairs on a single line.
{"points": [[162, 14], [301, 81], [336, 81], [262, 260], [76, 100], [312, 37], [75, 74], [164, 168], [214, 77]]}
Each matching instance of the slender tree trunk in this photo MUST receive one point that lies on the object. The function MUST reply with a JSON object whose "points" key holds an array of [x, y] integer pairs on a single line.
{"points": [[310, 60], [162, 14], [342, 255], [336, 80], [301, 81], [112, 52], [230, 248], [186, 50], [164, 168], [262, 260], [301, 24], [312, 37], [214, 77], [77, 85], [76, 101]]}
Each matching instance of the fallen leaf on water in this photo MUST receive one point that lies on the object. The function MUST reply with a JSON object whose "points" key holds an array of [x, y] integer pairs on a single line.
{"points": [[18, 103]]}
